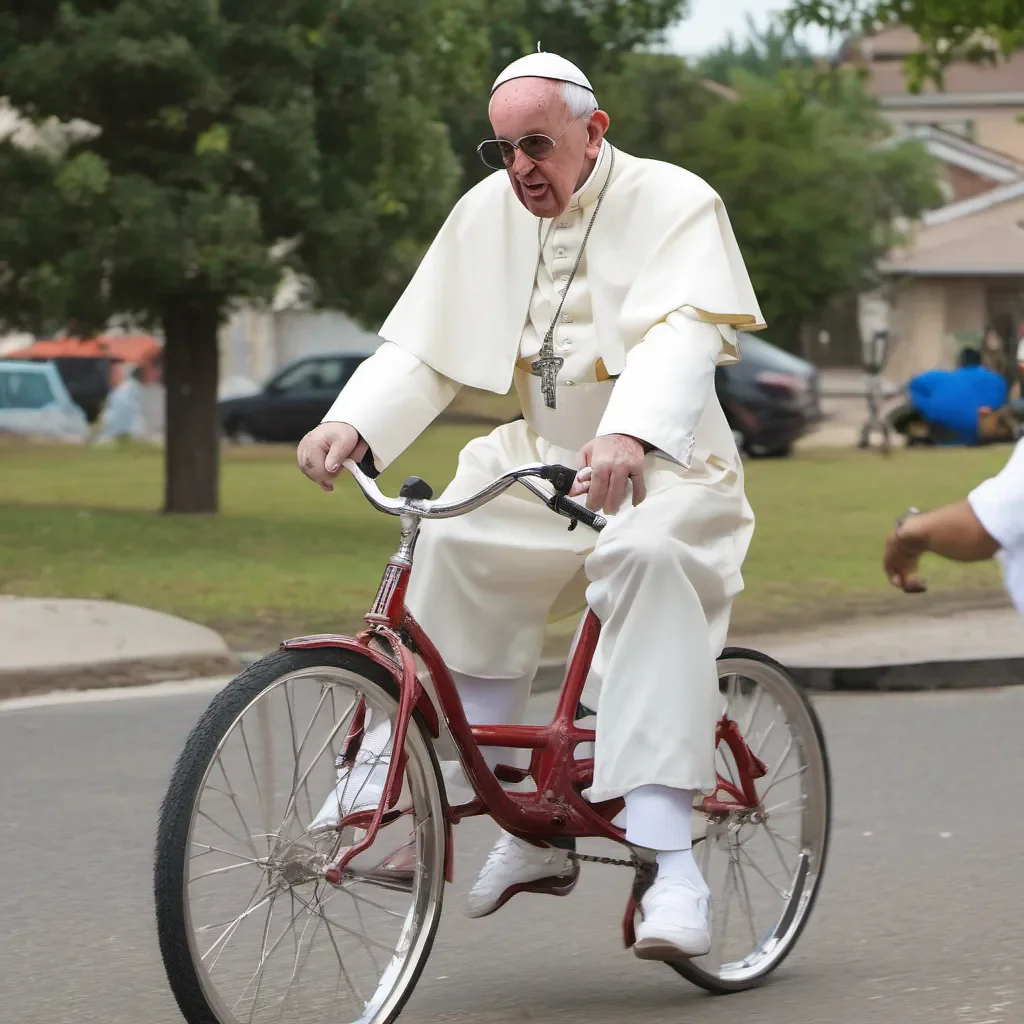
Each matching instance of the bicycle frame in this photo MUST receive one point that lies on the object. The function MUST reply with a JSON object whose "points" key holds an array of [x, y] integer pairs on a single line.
{"points": [[556, 809]]}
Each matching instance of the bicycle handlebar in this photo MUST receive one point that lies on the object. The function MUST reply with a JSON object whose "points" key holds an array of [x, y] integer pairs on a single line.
{"points": [[424, 509]]}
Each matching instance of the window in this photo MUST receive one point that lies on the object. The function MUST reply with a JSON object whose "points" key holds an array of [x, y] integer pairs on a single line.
{"points": [[304, 377], [23, 389]]}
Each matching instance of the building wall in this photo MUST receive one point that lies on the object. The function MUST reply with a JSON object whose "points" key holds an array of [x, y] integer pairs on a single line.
{"points": [[918, 329]]}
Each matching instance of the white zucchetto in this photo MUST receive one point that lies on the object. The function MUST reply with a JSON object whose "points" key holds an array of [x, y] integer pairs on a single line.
{"points": [[543, 65]]}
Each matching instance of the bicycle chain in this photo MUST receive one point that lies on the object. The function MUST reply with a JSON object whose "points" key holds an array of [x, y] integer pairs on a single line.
{"points": [[633, 862]]}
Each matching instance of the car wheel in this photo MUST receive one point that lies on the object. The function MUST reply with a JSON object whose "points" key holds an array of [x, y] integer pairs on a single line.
{"points": [[237, 433]]}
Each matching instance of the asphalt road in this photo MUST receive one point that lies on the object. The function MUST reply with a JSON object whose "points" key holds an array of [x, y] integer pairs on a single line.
{"points": [[920, 918]]}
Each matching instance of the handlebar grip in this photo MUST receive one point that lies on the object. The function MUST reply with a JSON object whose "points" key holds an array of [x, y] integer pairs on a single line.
{"points": [[575, 510]]}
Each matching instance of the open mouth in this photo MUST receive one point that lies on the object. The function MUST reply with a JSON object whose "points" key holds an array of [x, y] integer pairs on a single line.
{"points": [[535, 191]]}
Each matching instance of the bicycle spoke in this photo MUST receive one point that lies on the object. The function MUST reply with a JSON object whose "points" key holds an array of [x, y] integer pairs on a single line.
{"points": [[234, 802], [745, 897], [290, 808], [789, 775], [751, 863], [778, 851], [265, 801], [229, 867], [232, 925], [764, 739], [770, 780], [202, 814]]}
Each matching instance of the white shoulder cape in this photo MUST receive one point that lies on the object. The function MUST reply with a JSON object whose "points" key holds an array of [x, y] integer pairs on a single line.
{"points": [[662, 241]]}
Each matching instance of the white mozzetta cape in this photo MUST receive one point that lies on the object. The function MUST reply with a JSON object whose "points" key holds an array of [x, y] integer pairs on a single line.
{"points": [[662, 242]]}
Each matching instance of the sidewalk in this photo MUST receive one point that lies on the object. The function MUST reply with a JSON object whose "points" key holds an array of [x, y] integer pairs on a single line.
{"points": [[950, 651], [48, 645], [61, 644]]}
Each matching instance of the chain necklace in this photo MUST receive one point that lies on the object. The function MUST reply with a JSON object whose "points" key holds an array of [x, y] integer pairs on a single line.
{"points": [[548, 364]]}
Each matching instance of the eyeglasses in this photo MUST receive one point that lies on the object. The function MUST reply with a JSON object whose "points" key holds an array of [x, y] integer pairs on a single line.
{"points": [[499, 154]]}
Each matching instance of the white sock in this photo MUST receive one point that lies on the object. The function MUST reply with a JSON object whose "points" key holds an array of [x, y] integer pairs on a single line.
{"points": [[680, 864], [659, 818], [493, 702]]}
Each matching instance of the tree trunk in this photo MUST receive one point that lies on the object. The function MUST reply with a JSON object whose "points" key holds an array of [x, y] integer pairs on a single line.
{"points": [[191, 357]]}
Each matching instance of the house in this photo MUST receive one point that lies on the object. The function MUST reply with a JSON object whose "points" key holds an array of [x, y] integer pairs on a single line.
{"points": [[960, 276]]}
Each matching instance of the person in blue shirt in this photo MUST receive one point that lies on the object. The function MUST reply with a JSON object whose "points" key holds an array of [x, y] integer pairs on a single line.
{"points": [[948, 401]]}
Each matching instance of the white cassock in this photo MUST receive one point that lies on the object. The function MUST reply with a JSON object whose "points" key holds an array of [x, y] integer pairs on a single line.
{"points": [[650, 314]]}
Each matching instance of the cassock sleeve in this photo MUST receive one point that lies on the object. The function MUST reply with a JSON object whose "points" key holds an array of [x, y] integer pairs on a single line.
{"points": [[660, 395], [391, 399]]}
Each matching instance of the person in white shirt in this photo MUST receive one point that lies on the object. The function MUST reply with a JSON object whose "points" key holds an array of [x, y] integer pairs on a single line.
{"points": [[606, 289], [988, 523]]}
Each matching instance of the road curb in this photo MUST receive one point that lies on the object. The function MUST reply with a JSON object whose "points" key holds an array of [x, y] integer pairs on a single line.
{"points": [[22, 682], [921, 677]]}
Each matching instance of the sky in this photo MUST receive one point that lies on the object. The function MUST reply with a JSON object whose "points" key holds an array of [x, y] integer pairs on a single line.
{"points": [[710, 21]]}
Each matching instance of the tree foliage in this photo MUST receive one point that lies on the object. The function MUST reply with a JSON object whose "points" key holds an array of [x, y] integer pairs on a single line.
{"points": [[764, 52], [233, 139], [974, 30], [814, 190]]}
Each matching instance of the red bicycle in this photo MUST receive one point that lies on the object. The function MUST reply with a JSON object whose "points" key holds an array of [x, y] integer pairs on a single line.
{"points": [[270, 908]]}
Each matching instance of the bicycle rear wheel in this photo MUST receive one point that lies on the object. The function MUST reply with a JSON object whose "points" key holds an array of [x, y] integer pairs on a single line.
{"points": [[249, 928], [764, 868]]}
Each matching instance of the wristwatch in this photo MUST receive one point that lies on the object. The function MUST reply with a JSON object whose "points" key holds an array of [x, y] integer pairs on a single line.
{"points": [[915, 547], [906, 515]]}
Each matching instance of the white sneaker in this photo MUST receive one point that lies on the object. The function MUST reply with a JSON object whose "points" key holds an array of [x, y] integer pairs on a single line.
{"points": [[675, 921], [515, 866]]}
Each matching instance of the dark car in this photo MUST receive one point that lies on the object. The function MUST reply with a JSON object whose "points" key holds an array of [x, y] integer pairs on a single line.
{"points": [[292, 402], [88, 380], [770, 397]]}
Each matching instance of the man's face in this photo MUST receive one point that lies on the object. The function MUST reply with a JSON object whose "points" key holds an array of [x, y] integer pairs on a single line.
{"points": [[534, 106]]}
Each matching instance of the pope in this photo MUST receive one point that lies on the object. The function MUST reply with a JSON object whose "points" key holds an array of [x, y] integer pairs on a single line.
{"points": [[605, 289]]}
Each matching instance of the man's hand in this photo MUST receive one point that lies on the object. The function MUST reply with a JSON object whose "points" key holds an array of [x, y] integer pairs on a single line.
{"points": [[608, 463], [322, 451], [901, 558]]}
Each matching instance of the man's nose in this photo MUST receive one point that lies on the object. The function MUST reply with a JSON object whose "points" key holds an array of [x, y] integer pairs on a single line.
{"points": [[522, 165]]}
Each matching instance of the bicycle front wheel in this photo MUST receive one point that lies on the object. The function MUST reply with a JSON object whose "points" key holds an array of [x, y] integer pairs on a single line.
{"points": [[249, 928], [764, 867]]}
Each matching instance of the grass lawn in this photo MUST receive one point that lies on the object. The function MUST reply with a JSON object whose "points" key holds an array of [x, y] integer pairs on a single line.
{"points": [[283, 558]]}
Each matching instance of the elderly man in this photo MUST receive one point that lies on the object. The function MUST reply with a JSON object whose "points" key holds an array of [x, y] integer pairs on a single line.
{"points": [[607, 289]]}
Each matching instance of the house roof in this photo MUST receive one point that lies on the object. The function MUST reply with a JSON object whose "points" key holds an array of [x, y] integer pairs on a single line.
{"points": [[978, 239], [993, 250], [975, 204], [882, 56], [954, 149]]}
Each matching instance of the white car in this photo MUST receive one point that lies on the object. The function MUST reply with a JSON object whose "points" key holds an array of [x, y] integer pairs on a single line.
{"points": [[35, 403]]}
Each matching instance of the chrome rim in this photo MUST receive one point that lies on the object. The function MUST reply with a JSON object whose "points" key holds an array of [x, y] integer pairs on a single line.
{"points": [[270, 938], [763, 866]]}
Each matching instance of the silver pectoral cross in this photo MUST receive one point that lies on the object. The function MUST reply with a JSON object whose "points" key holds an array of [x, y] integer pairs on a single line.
{"points": [[548, 366]]}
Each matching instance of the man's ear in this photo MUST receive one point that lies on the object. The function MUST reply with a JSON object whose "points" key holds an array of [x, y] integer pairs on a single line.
{"points": [[596, 128]]}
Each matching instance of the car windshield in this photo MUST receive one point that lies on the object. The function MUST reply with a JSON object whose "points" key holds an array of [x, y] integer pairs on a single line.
{"points": [[24, 389]]}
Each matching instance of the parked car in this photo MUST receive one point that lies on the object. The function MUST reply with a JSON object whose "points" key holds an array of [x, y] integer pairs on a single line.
{"points": [[292, 402], [35, 403], [88, 380], [770, 397]]}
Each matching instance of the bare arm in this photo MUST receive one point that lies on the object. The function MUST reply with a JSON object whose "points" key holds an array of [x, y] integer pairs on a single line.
{"points": [[953, 531]]}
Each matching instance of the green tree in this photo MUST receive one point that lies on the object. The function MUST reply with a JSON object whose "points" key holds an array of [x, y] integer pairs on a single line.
{"points": [[233, 139], [975, 30], [765, 53], [814, 192]]}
